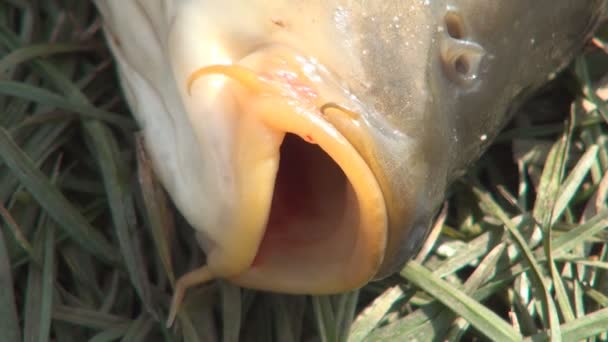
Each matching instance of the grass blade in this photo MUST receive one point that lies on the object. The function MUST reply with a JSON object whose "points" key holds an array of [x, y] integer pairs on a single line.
{"points": [[369, 319], [24, 54], [585, 327], [159, 216], [48, 98], [536, 274], [89, 318], [231, 310], [39, 293], [53, 201], [122, 208], [573, 182], [325, 317], [478, 315], [9, 324]]}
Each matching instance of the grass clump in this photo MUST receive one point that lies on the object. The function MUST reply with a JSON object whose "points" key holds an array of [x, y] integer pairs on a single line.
{"points": [[90, 245]]}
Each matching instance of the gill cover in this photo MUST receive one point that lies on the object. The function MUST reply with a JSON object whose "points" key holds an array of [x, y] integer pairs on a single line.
{"points": [[309, 143]]}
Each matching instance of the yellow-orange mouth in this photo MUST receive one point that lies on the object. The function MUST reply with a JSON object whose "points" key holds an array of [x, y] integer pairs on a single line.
{"points": [[310, 216], [311, 197]]}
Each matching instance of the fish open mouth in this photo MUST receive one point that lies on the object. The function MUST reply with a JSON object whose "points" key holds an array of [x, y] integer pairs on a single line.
{"points": [[310, 217], [311, 198], [314, 240], [312, 224]]}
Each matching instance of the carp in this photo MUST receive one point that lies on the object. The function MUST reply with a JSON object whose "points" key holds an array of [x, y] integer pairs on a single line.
{"points": [[310, 143]]}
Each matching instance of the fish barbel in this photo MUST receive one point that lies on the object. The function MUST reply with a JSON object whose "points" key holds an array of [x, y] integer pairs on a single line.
{"points": [[310, 143]]}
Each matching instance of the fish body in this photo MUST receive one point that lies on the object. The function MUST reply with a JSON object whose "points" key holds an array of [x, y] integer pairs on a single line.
{"points": [[309, 143]]}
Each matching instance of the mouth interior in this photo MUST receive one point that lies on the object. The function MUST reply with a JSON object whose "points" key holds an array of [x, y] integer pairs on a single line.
{"points": [[313, 213]]}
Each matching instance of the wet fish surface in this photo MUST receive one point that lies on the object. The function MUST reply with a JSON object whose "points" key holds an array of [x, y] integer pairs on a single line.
{"points": [[310, 143]]}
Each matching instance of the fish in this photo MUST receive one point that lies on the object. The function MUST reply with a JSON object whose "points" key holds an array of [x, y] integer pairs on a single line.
{"points": [[310, 143]]}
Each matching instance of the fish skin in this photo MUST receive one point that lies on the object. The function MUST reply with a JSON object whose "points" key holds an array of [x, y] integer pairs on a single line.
{"points": [[452, 132], [427, 118]]}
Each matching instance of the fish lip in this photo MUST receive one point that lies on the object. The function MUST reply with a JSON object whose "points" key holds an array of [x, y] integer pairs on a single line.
{"points": [[366, 192], [281, 112]]}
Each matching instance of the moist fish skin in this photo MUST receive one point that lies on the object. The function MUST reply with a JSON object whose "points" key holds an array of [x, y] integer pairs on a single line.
{"points": [[414, 92]]}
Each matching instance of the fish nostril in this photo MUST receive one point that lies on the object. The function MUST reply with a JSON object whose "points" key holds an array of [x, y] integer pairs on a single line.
{"points": [[454, 25], [462, 65], [460, 55], [461, 61]]}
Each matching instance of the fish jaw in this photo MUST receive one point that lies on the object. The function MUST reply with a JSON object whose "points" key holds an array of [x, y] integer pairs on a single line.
{"points": [[308, 215]]}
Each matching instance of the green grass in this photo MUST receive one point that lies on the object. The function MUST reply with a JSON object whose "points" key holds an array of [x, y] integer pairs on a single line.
{"points": [[90, 245]]}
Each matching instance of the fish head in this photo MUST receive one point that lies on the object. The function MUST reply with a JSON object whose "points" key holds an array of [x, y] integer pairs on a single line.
{"points": [[309, 143]]}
